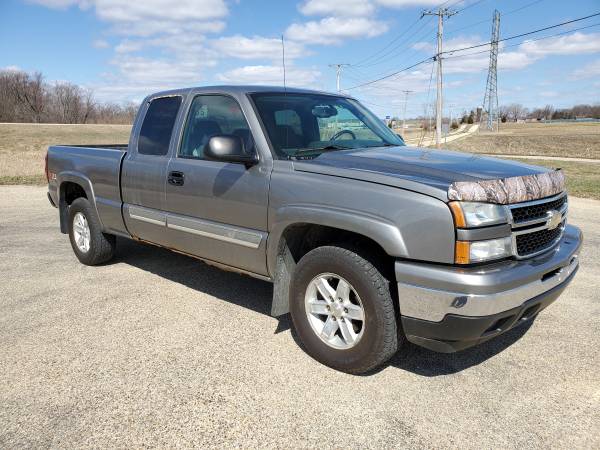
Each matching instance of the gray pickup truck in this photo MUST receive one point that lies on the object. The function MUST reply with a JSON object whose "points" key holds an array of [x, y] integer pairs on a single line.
{"points": [[368, 242]]}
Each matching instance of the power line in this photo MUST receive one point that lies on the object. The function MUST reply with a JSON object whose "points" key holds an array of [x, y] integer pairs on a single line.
{"points": [[360, 63], [512, 11], [384, 57], [522, 34], [525, 41], [470, 6], [430, 58], [373, 55]]}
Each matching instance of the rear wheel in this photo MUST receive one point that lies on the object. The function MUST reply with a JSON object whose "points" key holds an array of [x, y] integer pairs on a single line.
{"points": [[342, 310], [90, 245]]}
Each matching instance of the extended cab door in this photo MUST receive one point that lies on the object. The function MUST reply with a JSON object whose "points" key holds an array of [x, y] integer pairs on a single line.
{"points": [[144, 170], [217, 210]]}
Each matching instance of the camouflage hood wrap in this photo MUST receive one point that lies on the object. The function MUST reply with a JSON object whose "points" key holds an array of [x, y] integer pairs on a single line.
{"points": [[509, 190]]}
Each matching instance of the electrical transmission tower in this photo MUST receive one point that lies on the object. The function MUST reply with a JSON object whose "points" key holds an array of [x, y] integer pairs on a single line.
{"points": [[490, 99]]}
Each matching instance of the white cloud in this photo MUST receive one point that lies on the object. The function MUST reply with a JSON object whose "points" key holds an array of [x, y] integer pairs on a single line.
{"points": [[128, 46], [270, 75], [407, 3], [150, 17], [11, 69], [257, 47], [572, 44], [132, 11], [100, 43], [588, 71], [334, 30], [175, 31], [336, 8], [55, 4]]}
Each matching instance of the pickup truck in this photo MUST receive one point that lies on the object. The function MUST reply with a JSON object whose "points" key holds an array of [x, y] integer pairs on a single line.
{"points": [[369, 242]]}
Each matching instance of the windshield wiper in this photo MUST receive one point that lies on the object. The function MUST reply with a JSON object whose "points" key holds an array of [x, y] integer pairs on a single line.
{"points": [[327, 148]]}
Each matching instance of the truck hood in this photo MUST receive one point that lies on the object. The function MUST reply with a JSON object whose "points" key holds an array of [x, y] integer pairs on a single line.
{"points": [[432, 169]]}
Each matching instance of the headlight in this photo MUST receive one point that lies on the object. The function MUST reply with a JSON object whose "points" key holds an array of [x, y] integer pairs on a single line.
{"points": [[470, 214], [478, 251]]}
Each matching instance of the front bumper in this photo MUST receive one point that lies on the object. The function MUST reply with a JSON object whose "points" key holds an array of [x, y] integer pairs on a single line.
{"points": [[447, 308]]}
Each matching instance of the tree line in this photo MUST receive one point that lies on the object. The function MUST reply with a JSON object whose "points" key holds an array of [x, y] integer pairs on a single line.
{"points": [[515, 112], [27, 97]]}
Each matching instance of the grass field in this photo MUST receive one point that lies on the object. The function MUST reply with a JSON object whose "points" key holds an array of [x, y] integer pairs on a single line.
{"points": [[23, 146], [567, 140], [583, 179]]}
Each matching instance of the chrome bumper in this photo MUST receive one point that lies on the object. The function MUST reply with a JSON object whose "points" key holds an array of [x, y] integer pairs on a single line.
{"points": [[430, 292]]}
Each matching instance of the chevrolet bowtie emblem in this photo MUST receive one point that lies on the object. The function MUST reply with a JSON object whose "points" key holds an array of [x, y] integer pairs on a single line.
{"points": [[554, 219]]}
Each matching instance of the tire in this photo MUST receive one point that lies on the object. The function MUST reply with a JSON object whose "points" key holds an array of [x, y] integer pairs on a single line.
{"points": [[376, 337], [101, 246]]}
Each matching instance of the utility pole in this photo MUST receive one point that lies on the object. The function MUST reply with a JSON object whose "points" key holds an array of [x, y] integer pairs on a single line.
{"points": [[440, 13], [490, 98], [406, 92], [338, 73]]}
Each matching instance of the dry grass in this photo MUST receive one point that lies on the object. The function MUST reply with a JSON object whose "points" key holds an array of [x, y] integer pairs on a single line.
{"points": [[568, 140], [23, 146], [583, 179]]}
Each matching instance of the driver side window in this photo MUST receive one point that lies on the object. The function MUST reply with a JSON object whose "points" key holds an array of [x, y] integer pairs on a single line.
{"points": [[212, 115]]}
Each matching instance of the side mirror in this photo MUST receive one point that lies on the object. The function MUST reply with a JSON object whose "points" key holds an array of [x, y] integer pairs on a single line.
{"points": [[228, 148]]}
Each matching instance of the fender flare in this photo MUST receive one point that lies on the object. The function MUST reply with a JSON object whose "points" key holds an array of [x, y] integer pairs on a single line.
{"points": [[85, 183], [280, 262]]}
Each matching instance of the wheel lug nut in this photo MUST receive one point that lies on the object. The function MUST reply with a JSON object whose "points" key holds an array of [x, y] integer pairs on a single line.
{"points": [[346, 310], [333, 318]]}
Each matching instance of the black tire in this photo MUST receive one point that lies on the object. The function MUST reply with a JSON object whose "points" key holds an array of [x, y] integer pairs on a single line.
{"points": [[102, 246], [380, 339]]}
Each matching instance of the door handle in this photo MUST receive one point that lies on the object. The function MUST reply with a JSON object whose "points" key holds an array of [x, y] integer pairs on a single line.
{"points": [[176, 178]]}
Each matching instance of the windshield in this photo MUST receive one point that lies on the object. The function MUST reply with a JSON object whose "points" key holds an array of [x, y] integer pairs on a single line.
{"points": [[303, 126]]}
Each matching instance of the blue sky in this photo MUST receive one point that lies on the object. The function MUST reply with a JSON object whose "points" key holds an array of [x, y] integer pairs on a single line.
{"points": [[125, 49]]}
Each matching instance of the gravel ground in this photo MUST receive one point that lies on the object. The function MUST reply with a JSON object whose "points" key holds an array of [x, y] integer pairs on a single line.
{"points": [[160, 350]]}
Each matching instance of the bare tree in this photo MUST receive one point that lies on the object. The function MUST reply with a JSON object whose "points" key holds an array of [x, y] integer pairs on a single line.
{"points": [[514, 111]]}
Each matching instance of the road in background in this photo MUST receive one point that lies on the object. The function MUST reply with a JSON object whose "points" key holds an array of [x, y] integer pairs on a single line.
{"points": [[158, 349]]}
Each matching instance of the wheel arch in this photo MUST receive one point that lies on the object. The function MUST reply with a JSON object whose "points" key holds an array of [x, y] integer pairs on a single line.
{"points": [[73, 185], [305, 228]]}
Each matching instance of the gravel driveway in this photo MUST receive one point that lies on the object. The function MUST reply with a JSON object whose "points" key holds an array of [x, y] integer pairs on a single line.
{"points": [[159, 350]]}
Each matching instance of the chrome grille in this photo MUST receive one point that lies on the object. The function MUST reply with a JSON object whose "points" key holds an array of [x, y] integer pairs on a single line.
{"points": [[535, 229], [538, 210]]}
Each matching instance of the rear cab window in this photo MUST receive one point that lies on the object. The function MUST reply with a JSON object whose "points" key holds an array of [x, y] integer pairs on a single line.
{"points": [[157, 127]]}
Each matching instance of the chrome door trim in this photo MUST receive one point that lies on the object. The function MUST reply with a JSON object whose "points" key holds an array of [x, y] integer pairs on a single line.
{"points": [[147, 215], [214, 230]]}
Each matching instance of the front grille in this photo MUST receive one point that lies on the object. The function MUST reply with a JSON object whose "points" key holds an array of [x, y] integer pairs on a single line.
{"points": [[531, 222], [537, 211], [530, 243]]}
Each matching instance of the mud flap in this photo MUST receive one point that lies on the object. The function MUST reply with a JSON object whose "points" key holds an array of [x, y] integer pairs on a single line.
{"points": [[283, 276]]}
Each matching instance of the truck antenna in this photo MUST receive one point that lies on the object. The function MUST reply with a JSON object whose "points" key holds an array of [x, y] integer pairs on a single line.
{"points": [[283, 59]]}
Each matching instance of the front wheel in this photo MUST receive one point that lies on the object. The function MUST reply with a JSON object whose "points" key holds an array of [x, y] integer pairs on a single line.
{"points": [[90, 245], [343, 311]]}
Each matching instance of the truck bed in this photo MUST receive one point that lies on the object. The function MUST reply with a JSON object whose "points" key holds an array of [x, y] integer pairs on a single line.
{"points": [[98, 169]]}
